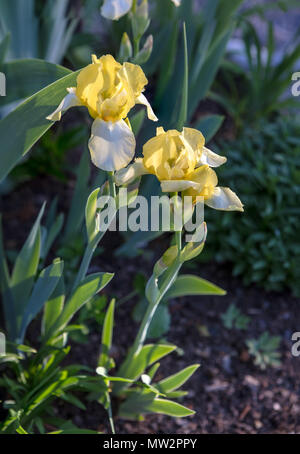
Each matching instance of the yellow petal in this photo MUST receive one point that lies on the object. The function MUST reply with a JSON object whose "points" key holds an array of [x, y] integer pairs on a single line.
{"points": [[109, 69], [207, 181], [135, 77], [194, 138], [178, 185], [89, 83], [117, 107]]}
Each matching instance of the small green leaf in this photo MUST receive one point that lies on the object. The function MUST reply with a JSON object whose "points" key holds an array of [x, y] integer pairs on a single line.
{"points": [[148, 355], [26, 266], [90, 215], [185, 89], [107, 334], [192, 285], [88, 288], [53, 307], [43, 289], [168, 407], [175, 381]]}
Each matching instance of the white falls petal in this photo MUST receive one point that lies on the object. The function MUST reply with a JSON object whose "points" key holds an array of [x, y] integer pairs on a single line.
{"points": [[70, 100], [133, 171], [210, 158], [112, 145], [176, 2], [143, 100], [224, 199], [114, 9], [178, 185]]}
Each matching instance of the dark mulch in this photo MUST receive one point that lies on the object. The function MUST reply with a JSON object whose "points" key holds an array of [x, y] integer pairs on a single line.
{"points": [[228, 392]]}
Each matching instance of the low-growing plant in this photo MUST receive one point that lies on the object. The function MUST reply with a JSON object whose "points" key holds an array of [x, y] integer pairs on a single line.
{"points": [[263, 246], [234, 318], [265, 350], [264, 89]]}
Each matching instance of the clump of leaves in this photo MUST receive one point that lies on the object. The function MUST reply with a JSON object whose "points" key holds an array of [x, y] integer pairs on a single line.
{"points": [[50, 155], [233, 318], [264, 349], [263, 244], [264, 89]]}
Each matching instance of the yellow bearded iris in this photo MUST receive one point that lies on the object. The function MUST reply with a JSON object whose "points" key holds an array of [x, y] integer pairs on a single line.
{"points": [[109, 90], [182, 163]]}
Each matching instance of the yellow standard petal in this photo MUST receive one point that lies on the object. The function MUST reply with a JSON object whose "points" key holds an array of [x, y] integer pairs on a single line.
{"points": [[207, 180], [168, 156]]}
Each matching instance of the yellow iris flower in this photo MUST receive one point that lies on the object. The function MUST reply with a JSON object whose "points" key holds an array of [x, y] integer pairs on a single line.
{"points": [[109, 90], [182, 163]]}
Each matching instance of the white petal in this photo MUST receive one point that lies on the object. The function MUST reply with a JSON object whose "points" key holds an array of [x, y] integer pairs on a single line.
{"points": [[225, 199], [143, 100], [178, 185], [114, 9], [69, 101], [210, 158], [176, 2], [133, 171], [112, 145]]}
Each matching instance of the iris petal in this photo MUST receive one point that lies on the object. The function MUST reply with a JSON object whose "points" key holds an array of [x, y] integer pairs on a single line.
{"points": [[70, 100], [112, 145], [224, 199], [114, 9]]}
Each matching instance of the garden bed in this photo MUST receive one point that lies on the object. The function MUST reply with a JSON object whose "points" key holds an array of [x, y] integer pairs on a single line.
{"points": [[229, 393]]}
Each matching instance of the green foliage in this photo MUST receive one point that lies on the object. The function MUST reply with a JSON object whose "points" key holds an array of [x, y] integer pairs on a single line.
{"points": [[263, 245], [44, 35], [264, 89], [233, 318], [50, 155], [30, 127], [207, 34], [264, 349], [33, 380], [134, 383]]}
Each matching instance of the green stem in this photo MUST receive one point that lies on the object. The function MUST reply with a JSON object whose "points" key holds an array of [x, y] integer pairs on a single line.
{"points": [[112, 185], [110, 417], [136, 47], [91, 247], [170, 277], [134, 3], [178, 234]]}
